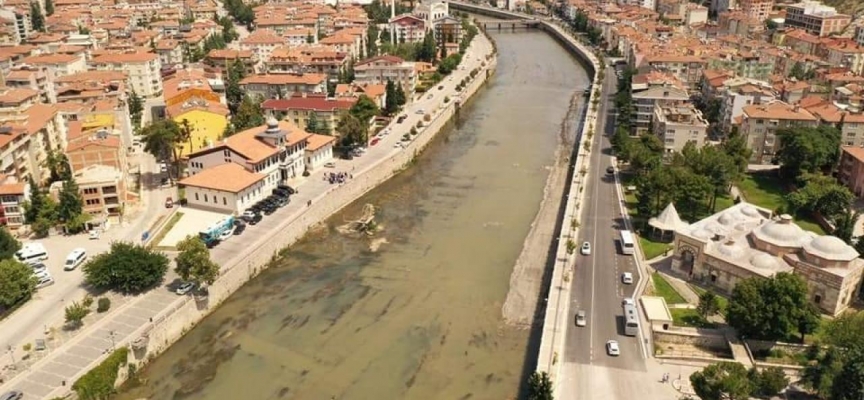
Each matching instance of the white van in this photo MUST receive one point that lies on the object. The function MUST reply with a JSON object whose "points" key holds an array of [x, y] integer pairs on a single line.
{"points": [[32, 253], [75, 258], [44, 281]]}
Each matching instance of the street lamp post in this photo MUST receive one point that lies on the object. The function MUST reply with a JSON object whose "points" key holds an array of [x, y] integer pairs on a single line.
{"points": [[111, 336]]}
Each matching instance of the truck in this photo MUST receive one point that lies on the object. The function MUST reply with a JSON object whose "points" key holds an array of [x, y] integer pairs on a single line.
{"points": [[213, 234]]}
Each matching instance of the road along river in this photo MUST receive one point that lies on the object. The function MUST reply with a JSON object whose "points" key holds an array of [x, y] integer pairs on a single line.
{"points": [[413, 312]]}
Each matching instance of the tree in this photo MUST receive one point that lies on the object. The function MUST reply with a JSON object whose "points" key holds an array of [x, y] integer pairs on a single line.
{"points": [[49, 8], [233, 93], [8, 244], [128, 268], [163, 140], [772, 309], [17, 283], [709, 304], [722, 381], [364, 109], [194, 263], [37, 19], [769, 382], [820, 194], [136, 109], [391, 106], [71, 205], [351, 129], [372, 41], [848, 384], [58, 165], [735, 145], [312, 123], [539, 386], [770, 24], [807, 149], [249, 115], [427, 51], [401, 98], [822, 369], [75, 314], [37, 199]]}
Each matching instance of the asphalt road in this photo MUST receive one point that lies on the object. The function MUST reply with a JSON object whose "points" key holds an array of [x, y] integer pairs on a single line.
{"points": [[596, 285]]}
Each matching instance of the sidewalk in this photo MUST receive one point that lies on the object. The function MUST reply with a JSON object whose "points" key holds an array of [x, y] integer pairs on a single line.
{"points": [[54, 374]]}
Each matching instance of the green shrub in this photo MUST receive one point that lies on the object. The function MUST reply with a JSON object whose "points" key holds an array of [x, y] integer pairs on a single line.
{"points": [[103, 304], [98, 383], [87, 302]]}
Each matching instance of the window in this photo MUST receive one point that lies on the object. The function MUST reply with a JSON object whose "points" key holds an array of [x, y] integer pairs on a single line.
{"points": [[92, 202], [91, 191], [817, 299], [224, 201], [196, 196], [12, 209]]}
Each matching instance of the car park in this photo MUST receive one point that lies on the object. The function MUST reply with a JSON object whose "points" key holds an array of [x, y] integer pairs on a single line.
{"points": [[612, 348], [75, 258], [586, 249], [184, 288], [580, 318]]}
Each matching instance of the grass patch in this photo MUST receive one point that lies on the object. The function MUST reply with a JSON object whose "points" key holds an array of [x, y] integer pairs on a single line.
{"points": [[689, 317], [722, 300], [664, 289], [167, 228], [766, 190], [651, 248]]}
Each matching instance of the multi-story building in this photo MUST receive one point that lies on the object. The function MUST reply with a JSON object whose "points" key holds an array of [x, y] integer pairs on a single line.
{"points": [[261, 43], [407, 29], [21, 22], [849, 121], [245, 168], [25, 142], [277, 86], [308, 59], [102, 189], [646, 100], [58, 65], [448, 30], [38, 79], [91, 86], [190, 100], [759, 124], [143, 70], [379, 70], [13, 195], [223, 58], [678, 125], [851, 170], [688, 69], [846, 54], [756, 9], [740, 93], [816, 18], [859, 35], [298, 110], [430, 10]]}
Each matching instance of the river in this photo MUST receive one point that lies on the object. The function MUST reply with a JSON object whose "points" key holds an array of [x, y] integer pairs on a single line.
{"points": [[420, 316]]}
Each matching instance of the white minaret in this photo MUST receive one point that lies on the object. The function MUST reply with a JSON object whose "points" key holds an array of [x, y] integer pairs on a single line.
{"points": [[392, 28]]}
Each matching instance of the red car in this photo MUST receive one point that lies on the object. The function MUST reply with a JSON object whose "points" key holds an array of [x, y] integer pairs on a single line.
{"points": [[169, 203], [374, 142]]}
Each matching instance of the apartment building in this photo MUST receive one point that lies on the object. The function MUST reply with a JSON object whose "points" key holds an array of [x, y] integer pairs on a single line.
{"points": [[816, 18], [308, 59], [91, 86], [859, 35], [378, 70], [846, 54], [224, 58], [25, 141], [849, 121], [87, 148], [143, 70], [851, 170], [277, 86], [756, 9], [102, 189], [38, 79], [679, 124], [344, 42], [20, 21], [759, 124], [739, 93], [298, 110], [688, 69], [13, 194], [408, 29], [58, 65], [261, 43], [646, 101], [448, 30]]}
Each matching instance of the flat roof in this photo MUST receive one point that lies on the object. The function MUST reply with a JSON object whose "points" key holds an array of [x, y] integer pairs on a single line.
{"points": [[656, 309]]}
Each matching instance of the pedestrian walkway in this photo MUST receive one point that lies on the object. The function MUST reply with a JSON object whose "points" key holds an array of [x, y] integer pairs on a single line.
{"points": [[664, 268], [739, 352]]}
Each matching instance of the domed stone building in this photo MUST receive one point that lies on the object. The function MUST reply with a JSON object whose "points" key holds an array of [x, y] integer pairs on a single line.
{"points": [[746, 241]]}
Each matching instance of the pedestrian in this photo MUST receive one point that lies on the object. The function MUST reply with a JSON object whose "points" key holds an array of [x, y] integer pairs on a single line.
{"points": [[309, 203], [351, 176]]}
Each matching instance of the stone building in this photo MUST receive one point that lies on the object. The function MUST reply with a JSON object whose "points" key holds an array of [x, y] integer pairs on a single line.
{"points": [[747, 241]]}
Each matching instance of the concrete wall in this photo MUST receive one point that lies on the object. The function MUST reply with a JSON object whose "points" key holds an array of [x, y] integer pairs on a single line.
{"points": [[708, 340], [170, 325]]}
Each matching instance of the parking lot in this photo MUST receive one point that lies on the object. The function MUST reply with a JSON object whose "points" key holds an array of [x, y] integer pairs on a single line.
{"points": [[192, 222]]}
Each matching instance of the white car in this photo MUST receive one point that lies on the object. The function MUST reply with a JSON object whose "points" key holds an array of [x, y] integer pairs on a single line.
{"points": [[226, 235], [39, 267], [580, 318], [94, 234], [586, 249], [628, 302], [420, 112], [612, 348], [627, 278], [41, 274], [185, 288], [44, 281], [330, 165]]}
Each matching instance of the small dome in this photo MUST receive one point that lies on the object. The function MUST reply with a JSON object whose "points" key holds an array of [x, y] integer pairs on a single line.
{"points": [[781, 233], [272, 122], [729, 218], [703, 234], [731, 250], [750, 211], [830, 248], [764, 261]]}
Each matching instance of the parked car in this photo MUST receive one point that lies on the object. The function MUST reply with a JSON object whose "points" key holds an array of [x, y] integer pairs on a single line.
{"points": [[239, 227], [169, 203], [610, 170], [94, 234], [282, 201], [13, 395], [256, 219], [441, 87], [44, 281], [332, 164], [628, 302], [39, 267], [247, 215], [401, 119], [75, 258], [372, 143], [287, 188], [184, 288]]}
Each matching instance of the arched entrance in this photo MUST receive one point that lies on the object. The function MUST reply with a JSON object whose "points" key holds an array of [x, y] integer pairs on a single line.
{"points": [[687, 260]]}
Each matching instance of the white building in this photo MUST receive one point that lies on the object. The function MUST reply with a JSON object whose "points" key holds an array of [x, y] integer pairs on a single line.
{"points": [[143, 70], [378, 70], [225, 188], [677, 125], [430, 10], [319, 151]]}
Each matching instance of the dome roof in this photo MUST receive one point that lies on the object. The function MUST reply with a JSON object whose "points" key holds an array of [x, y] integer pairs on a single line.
{"points": [[764, 261], [731, 249], [830, 248], [781, 233], [750, 211], [702, 233], [729, 218]]}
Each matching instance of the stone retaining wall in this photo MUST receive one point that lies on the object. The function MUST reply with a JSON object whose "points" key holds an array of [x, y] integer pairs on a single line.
{"points": [[708, 340], [171, 324]]}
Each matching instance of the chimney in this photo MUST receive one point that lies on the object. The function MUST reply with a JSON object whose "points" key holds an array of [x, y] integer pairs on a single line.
{"points": [[785, 219]]}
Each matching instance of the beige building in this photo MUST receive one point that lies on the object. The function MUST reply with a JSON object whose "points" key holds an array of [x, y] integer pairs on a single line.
{"points": [[58, 65], [646, 100], [102, 189], [143, 70], [746, 241], [12, 198], [677, 125], [756, 9], [816, 18], [759, 124], [277, 86], [378, 70], [25, 142], [851, 170], [298, 110]]}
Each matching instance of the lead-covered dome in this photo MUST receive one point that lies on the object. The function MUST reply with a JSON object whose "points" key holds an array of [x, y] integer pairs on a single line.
{"points": [[830, 248], [781, 233]]}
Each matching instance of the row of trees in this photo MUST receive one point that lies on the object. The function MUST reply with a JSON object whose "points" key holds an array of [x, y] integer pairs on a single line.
{"points": [[379, 12], [731, 381], [579, 23]]}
